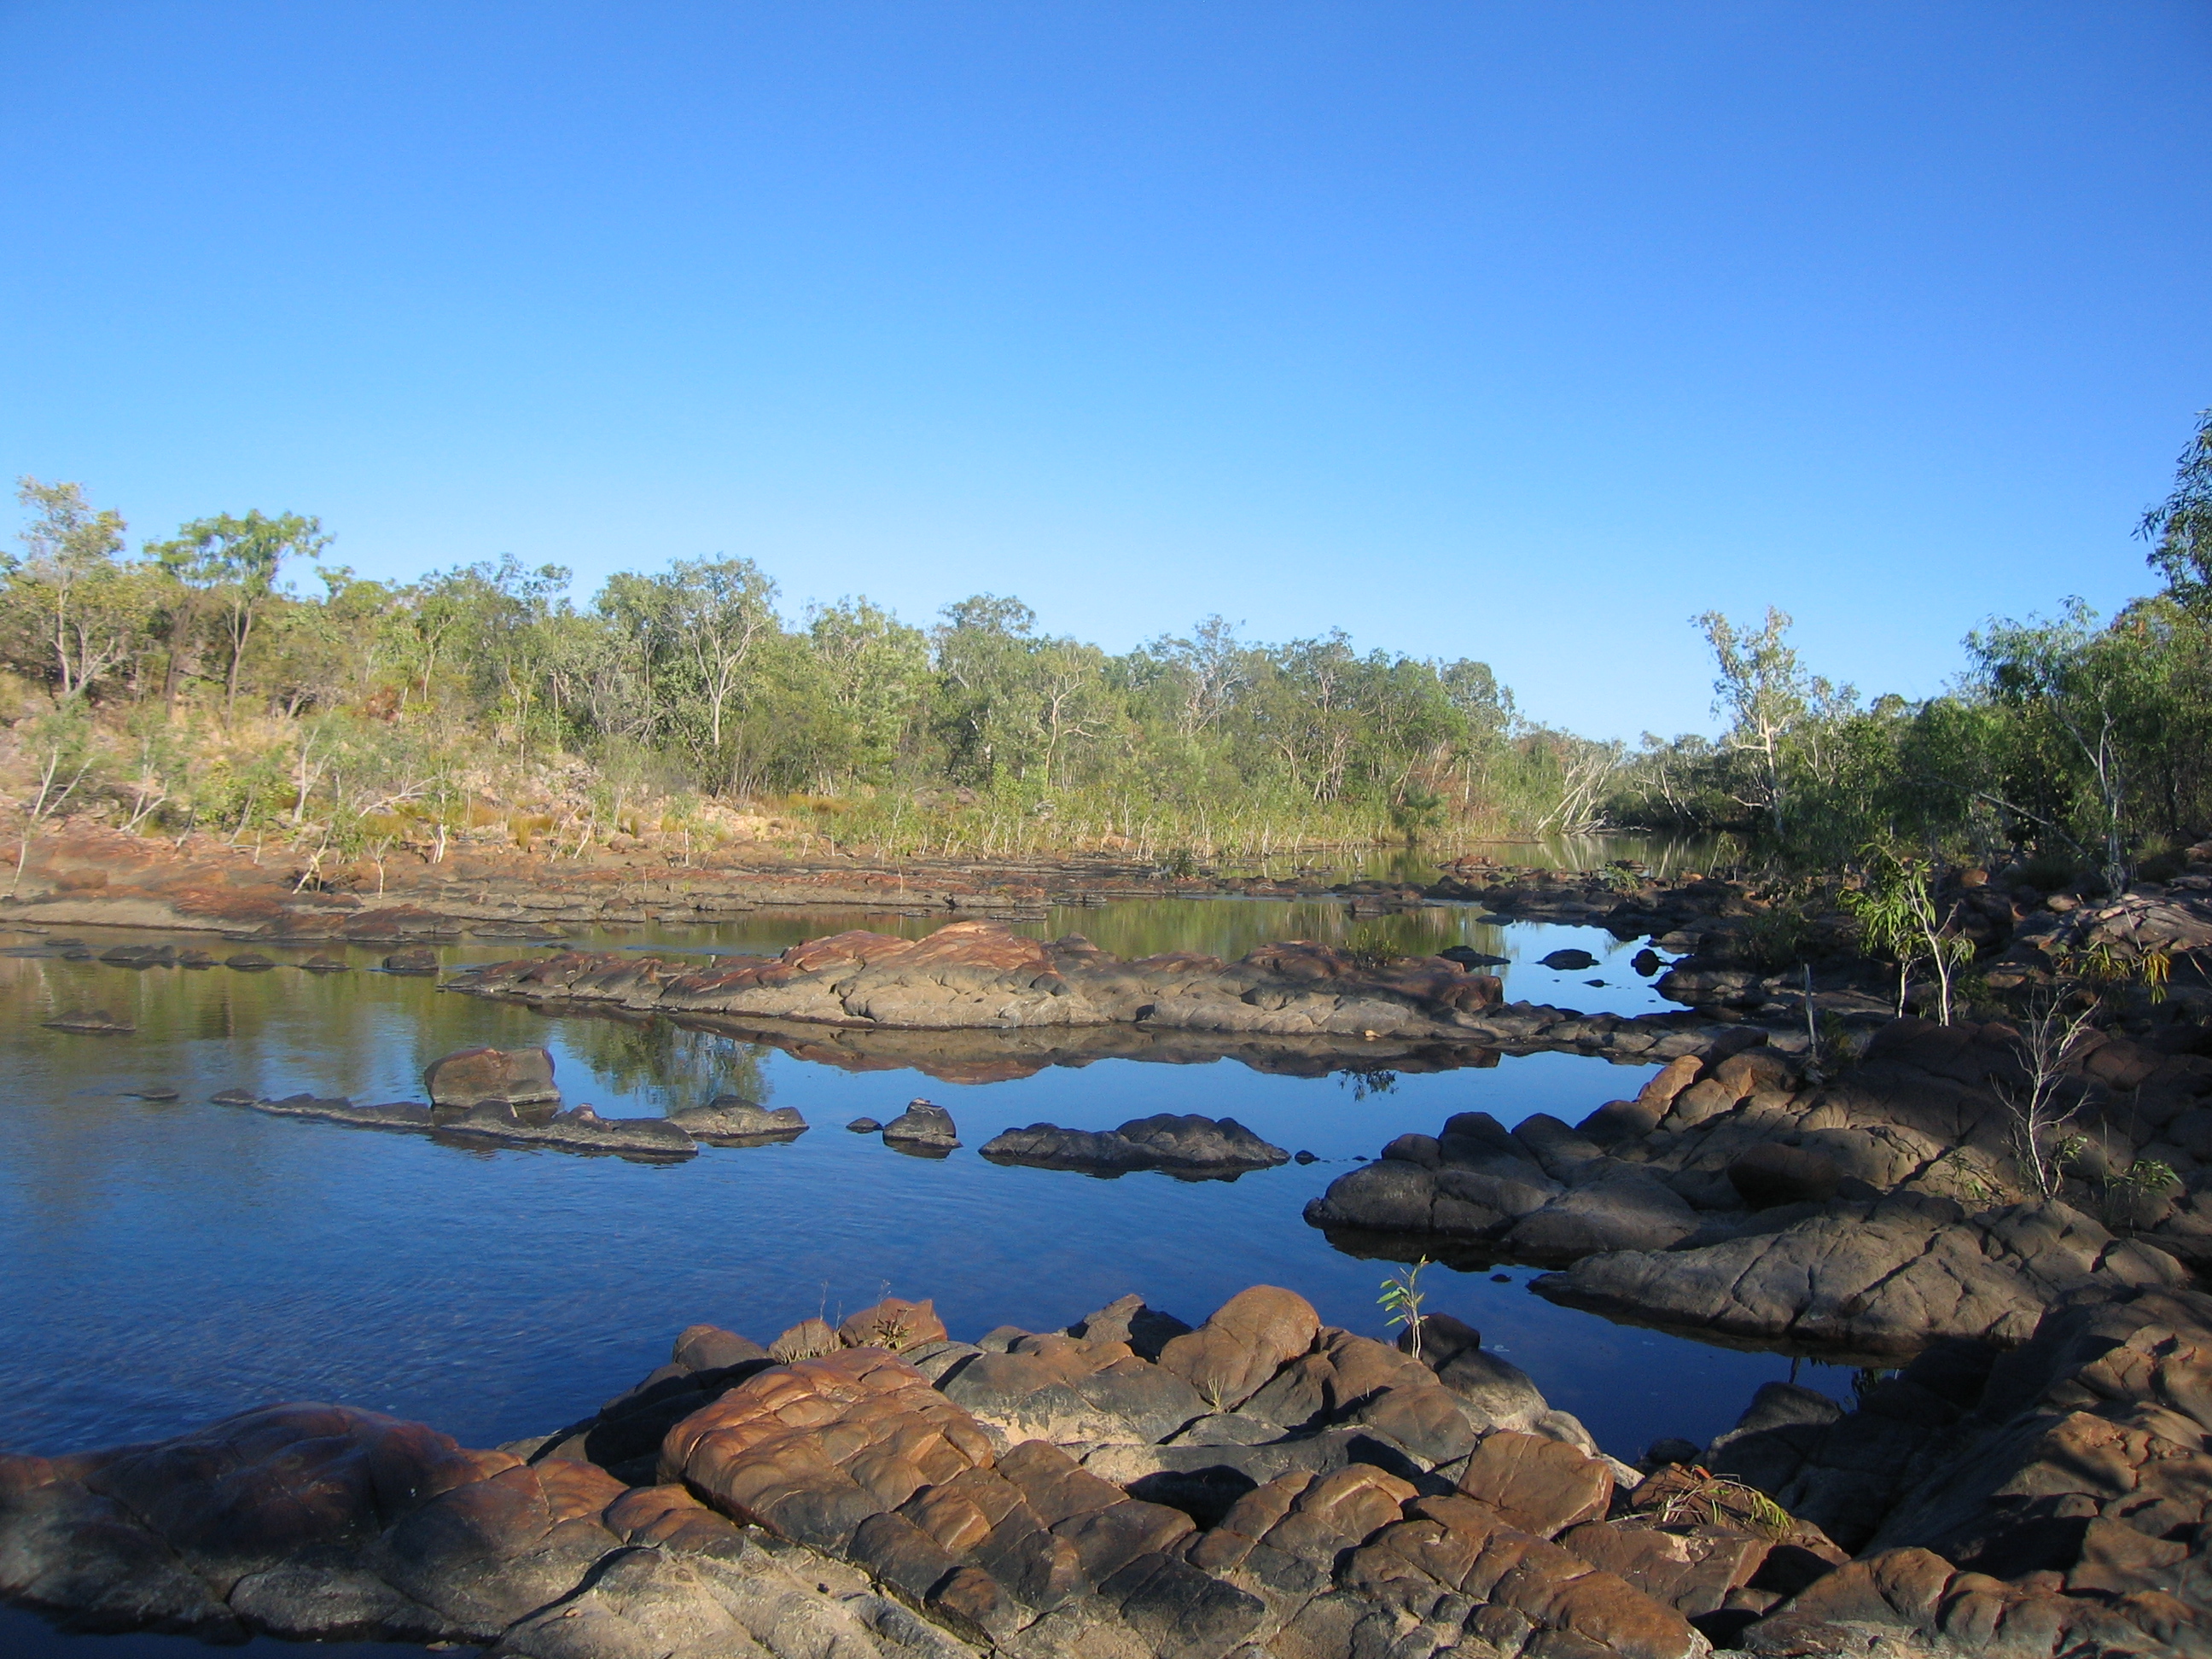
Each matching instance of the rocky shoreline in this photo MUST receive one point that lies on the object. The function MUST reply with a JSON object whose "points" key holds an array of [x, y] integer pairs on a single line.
{"points": [[1261, 1485], [1868, 1214]]}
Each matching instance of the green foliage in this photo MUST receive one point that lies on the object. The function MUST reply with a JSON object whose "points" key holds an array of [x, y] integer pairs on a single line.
{"points": [[1402, 1298]]}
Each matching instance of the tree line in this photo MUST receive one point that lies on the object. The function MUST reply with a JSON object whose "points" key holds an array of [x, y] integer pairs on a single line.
{"points": [[2082, 742], [232, 675]]}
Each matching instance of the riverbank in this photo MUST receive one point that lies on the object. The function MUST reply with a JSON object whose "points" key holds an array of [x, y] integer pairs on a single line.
{"points": [[83, 876]]}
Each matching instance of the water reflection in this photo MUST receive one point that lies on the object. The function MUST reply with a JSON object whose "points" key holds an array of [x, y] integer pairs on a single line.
{"points": [[172, 1261]]}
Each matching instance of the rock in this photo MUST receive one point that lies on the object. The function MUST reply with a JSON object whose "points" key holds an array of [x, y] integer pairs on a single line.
{"points": [[810, 1339], [1250, 1335], [1541, 1485], [321, 963], [864, 1126], [1467, 956], [471, 1077], [415, 959], [1647, 962], [152, 1091], [1568, 961], [1871, 1279], [195, 959], [893, 1325], [1302, 1156], [1144, 1330], [733, 1121], [1625, 1211], [922, 1128], [327, 1523], [90, 1025], [140, 955], [250, 962], [1773, 1174], [1190, 1147]]}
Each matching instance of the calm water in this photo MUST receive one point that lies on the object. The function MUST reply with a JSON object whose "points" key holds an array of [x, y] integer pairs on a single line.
{"points": [[172, 1261]]}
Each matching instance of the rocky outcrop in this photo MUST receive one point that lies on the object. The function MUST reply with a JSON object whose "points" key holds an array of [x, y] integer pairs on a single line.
{"points": [[325, 1523], [1865, 1215], [1874, 1280], [973, 1002], [2044, 1501], [1189, 1147], [975, 973], [638, 1139], [1131, 1487], [1478, 1192]]}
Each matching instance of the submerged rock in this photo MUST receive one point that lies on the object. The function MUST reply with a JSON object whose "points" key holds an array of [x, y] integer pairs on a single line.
{"points": [[1190, 1147], [90, 1025], [415, 959]]}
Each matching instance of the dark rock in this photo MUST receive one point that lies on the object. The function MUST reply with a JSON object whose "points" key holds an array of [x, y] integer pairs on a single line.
{"points": [[1467, 956], [152, 1091], [864, 1126], [320, 964], [1647, 962], [1568, 961], [195, 959], [415, 959], [140, 955], [1871, 1279], [1190, 1147], [470, 1077], [923, 1127], [1146, 1330], [1302, 1156], [733, 1121], [1773, 1175], [250, 962]]}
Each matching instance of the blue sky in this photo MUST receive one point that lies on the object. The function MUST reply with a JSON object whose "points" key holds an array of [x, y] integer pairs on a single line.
{"points": [[1516, 331]]}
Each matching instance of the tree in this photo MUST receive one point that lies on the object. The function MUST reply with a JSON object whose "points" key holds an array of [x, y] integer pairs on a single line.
{"points": [[716, 611], [237, 561], [70, 556], [2179, 528], [1765, 695]]}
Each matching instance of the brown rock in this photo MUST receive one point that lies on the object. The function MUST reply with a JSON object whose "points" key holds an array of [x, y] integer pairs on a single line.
{"points": [[470, 1077], [1539, 1485], [811, 1449], [1247, 1340], [893, 1324]]}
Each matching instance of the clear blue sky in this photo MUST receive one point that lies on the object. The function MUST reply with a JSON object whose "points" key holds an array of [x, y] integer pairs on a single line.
{"points": [[1519, 332]]}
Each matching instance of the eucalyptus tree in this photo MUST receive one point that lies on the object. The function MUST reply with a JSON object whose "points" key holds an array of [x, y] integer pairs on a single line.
{"points": [[68, 564], [2179, 528], [234, 562]]}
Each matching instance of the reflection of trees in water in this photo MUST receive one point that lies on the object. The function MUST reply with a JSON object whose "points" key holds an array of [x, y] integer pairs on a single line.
{"points": [[1230, 927], [679, 1067], [1364, 1084]]}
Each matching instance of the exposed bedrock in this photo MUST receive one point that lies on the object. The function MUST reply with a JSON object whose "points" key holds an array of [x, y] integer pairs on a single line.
{"points": [[1262, 1485], [1867, 1215], [1259, 1484], [1191, 1147], [974, 1002]]}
